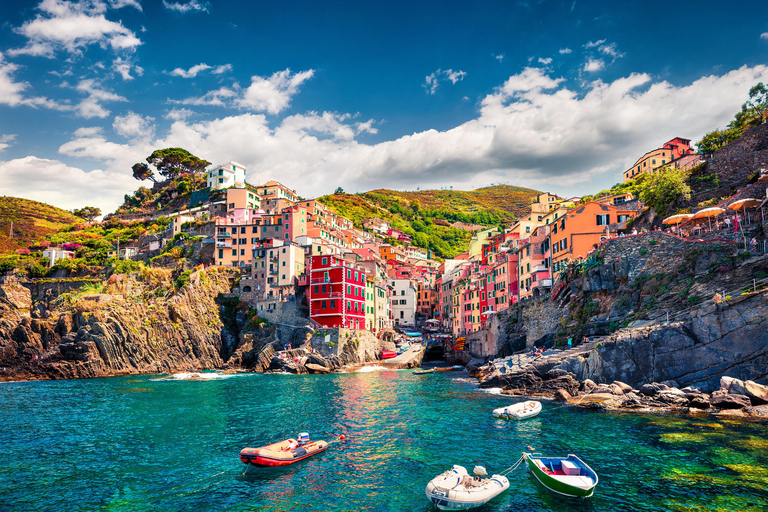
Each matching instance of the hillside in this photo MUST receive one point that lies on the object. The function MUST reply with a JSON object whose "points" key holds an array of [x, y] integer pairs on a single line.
{"points": [[31, 221], [430, 217]]}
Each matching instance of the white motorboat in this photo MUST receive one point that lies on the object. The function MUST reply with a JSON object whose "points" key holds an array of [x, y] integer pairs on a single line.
{"points": [[457, 490], [518, 411]]}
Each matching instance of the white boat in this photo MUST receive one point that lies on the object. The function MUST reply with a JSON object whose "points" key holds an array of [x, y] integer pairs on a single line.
{"points": [[457, 490], [518, 411]]}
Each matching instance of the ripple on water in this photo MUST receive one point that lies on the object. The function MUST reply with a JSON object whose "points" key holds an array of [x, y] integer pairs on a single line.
{"points": [[140, 444]]}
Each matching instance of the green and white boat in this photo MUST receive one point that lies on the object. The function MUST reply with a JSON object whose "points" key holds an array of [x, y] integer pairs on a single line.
{"points": [[569, 476]]}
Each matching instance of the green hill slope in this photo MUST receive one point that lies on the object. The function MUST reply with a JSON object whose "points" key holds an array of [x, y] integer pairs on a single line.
{"points": [[429, 216], [31, 221]]}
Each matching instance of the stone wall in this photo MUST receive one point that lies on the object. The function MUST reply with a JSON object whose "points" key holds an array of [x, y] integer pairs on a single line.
{"points": [[663, 251], [730, 338], [738, 160]]}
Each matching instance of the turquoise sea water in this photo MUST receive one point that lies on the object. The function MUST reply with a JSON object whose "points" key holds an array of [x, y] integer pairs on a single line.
{"points": [[147, 443]]}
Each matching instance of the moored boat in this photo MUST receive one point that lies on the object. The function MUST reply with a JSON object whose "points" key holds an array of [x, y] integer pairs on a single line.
{"points": [[457, 490], [423, 371], [444, 369], [388, 354], [282, 453], [518, 411], [569, 476]]}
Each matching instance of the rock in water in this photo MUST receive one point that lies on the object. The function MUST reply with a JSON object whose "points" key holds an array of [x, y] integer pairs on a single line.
{"points": [[563, 395], [758, 393], [721, 401]]}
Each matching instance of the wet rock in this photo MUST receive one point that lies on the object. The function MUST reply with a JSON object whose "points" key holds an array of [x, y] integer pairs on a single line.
{"points": [[616, 390], [625, 388], [698, 401], [723, 401], [316, 368], [756, 392], [562, 395], [649, 389]]}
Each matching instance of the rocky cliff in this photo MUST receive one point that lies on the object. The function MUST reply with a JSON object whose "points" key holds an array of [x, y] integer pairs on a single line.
{"points": [[130, 324], [655, 308]]}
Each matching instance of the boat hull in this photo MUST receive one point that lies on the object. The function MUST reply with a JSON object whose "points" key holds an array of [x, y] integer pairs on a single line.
{"points": [[519, 411], [455, 490], [278, 454], [388, 354], [582, 486]]}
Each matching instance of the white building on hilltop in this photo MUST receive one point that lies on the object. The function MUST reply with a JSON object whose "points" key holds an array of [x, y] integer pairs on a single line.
{"points": [[227, 175]]}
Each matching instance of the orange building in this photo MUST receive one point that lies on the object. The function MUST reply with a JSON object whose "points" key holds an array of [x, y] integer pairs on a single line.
{"points": [[580, 231], [652, 160]]}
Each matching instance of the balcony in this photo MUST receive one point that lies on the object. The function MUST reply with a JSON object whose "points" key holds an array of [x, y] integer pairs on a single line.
{"points": [[224, 245], [223, 235], [321, 280]]}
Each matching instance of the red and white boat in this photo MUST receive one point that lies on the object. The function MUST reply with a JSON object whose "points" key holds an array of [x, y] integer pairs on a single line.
{"points": [[282, 453], [388, 354]]}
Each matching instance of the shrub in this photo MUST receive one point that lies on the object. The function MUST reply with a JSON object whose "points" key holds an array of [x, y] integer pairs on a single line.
{"points": [[643, 252], [745, 255], [694, 299], [182, 280]]}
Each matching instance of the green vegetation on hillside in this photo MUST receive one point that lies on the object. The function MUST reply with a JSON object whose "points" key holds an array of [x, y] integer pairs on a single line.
{"points": [[752, 113], [427, 215], [31, 221], [173, 194]]}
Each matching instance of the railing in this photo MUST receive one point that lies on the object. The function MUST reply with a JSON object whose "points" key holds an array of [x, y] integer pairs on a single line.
{"points": [[320, 280], [223, 235]]}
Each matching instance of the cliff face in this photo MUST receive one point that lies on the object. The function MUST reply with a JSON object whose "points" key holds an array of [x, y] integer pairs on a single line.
{"points": [[139, 325], [729, 338], [650, 307]]}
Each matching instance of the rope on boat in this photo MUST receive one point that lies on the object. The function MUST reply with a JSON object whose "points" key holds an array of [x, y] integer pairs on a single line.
{"points": [[513, 466]]}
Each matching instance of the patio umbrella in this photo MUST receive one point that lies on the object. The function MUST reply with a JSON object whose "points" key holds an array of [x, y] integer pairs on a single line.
{"points": [[708, 213], [433, 321], [744, 203], [677, 219]]}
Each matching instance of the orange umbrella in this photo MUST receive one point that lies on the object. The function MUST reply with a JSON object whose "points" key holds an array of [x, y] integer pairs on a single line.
{"points": [[708, 213], [677, 219], [744, 203]]}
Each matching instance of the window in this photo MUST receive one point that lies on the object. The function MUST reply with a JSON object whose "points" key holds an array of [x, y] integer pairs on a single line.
{"points": [[333, 303], [322, 306], [527, 229], [402, 292], [242, 252], [325, 261], [324, 288], [317, 288], [283, 263], [221, 253], [603, 220], [234, 252]]}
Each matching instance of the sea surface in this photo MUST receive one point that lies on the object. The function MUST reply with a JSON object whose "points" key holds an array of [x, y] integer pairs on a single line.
{"points": [[154, 443]]}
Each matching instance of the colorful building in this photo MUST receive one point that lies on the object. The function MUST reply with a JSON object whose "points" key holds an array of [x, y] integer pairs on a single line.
{"points": [[336, 292]]}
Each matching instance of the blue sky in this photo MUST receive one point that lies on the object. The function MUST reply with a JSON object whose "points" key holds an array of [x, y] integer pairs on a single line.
{"points": [[558, 96]]}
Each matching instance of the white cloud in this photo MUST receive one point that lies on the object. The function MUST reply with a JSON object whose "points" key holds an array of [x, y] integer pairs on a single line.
{"points": [[764, 35], [89, 131], [218, 70], [594, 65], [219, 97], [134, 126], [12, 92], [124, 66], [433, 80], [431, 83], [118, 4], [95, 95], [71, 26], [366, 127], [455, 76], [564, 51], [6, 140], [183, 8], [53, 182], [531, 131], [499, 57], [178, 114], [192, 72], [592, 44], [610, 49], [273, 94], [546, 61]]}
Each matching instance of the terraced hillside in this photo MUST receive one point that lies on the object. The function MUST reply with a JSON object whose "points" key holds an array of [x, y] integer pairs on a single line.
{"points": [[435, 218], [31, 221]]}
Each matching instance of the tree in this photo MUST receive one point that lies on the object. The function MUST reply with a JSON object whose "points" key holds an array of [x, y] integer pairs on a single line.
{"points": [[88, 213], [141, 172], [662, 189], [758, 100], [339, 190], [173, 162]]}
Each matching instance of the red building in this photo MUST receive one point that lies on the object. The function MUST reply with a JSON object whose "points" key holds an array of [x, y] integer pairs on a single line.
{"points": [[336, 292]]}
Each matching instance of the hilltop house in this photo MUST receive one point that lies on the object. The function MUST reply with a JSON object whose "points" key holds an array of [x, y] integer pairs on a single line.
{"points": [[226, 176], [671, 150]]}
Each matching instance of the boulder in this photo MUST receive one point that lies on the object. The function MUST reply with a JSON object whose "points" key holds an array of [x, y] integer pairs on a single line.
{"points": [[616, 389], [649, 389], [602, 389], [670, 383], [555, 373], [562, 395], [316, 368], [756, 392], [737, 387], [725, 382], [698, 400], [587, 385], [625, 388], [722, 401]]}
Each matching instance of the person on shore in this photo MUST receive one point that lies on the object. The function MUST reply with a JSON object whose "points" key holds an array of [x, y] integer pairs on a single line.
{"points": [[634, 231]]}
